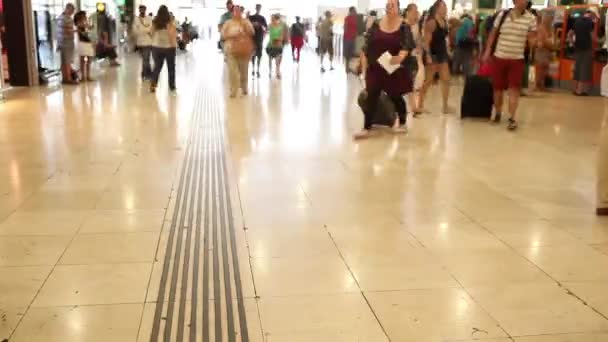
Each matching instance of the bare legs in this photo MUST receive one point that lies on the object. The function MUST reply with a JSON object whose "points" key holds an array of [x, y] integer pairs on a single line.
{"points": [[277, 61], [85, 68], [443, 70], [514, 94]]}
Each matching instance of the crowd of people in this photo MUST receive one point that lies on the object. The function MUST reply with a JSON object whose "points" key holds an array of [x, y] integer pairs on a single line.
{"points": [[423, 48]]}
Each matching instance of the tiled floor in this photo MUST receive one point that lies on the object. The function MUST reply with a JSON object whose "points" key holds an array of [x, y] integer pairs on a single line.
{"points": [[458, 231]]}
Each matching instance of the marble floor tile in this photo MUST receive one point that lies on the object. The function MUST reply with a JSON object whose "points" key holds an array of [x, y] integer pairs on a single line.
{"points": [[43, 223], [569, 263], [95, 323], [111, 248], [344, 317], [95, 285], [536, 309], [32, 250], [432, 315], [319, 275], [124, 221]]}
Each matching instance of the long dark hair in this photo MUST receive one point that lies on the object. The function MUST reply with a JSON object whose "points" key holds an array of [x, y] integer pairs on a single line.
{"points": [[408, 9], [162, 18], [79, 16]]}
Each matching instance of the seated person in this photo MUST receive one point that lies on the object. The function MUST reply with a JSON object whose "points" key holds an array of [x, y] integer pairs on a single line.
{"points": [[106, 50]]}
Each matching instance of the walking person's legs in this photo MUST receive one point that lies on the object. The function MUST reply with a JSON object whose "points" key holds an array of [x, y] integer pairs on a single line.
{"points": [[514, 69], [243, 65], [170, 56], [146, 68], [278, 61], [430, 70], [233, 74], [444, 76], [83, 67], [583, 71], [401, 109], [67, 57], [159, 59]]}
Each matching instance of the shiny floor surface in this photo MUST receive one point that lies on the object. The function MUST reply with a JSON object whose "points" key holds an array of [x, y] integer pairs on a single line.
{"points": [[457, 231]]}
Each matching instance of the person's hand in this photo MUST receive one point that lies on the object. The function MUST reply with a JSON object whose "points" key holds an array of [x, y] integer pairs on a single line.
{"points": [[486, 57], [396, 60]]}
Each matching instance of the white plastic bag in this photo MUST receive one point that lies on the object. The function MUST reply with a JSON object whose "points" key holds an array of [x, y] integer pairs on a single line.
{"points": [[604, 81]]}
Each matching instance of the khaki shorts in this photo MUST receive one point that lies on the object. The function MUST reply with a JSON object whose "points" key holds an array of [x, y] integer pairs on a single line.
{"points": [[67, 54], [326, 46]]}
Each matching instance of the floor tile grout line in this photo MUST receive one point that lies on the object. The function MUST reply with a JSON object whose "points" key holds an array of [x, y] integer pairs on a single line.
{"points": [[559, 283], [514, 250], [48, 276], [361, 292], [461, 286], [478, 223]]}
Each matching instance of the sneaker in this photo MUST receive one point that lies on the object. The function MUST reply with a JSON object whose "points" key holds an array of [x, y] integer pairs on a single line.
{"points": [[322, 69], [253, 74], [173, 91], [153, 89], [497, 117], [331, 68], [512, 124], [258, 74]]}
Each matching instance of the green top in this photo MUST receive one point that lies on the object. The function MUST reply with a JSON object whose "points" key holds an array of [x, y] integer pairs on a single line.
{"points": [[275, 33]]}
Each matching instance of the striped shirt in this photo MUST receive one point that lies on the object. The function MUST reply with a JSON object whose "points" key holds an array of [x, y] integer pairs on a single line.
{"points": [[514, 34]]}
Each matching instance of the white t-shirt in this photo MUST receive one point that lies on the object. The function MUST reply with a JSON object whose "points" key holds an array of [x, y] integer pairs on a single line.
{"points": [[142, 27], [513, 34]]}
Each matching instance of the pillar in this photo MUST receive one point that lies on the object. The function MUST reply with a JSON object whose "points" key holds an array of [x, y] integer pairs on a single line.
{"points": [[20, 42]]}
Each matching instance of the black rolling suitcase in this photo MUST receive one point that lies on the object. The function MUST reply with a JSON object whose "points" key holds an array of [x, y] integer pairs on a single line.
{"points": [[385, 113], [477, 98]]}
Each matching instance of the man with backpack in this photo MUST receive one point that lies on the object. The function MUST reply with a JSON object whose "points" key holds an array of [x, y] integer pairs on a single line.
{"points": [[505, 49]]}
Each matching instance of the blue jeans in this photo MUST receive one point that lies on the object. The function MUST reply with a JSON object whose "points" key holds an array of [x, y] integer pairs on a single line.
{"points": [[160, 55], [146, 67]]}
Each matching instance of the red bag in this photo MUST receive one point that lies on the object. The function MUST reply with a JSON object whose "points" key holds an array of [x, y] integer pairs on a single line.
{"points": [[485, 70]]}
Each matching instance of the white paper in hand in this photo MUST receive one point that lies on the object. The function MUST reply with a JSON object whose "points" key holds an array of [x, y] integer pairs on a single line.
{"points": [[385, 61]]}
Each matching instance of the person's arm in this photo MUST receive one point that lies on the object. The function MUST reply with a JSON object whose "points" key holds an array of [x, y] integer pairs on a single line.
{"points": [[532, 33], [407, 45], [429, 28], [492, 37], [172, 31], [249, 28], [224, 32], [365, 49]]}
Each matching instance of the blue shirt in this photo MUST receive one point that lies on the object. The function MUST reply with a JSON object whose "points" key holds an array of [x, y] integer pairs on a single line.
{"points": [[464, 31]]}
